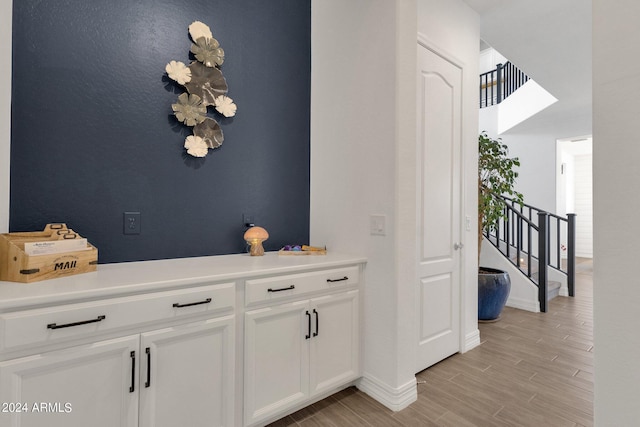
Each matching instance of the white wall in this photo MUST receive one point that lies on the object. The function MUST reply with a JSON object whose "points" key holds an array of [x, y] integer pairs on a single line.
{"points": [[527, 101], [536, 148], [537, 155], [363, 144], [355, 130], [583, 205], [616, 176], [566, 151], [537, 171], [489, 58], [565, 185], [5, 110]]}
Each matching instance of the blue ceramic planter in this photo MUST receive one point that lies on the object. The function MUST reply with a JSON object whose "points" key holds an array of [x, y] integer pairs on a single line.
{"points": [[493, 291]]}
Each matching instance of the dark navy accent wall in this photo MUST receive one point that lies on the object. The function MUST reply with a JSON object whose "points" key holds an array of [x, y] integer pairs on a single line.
{"points": [[93, 133]]}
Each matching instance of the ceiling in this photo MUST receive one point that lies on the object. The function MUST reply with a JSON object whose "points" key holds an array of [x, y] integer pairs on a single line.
{"points": [[550, 40]]}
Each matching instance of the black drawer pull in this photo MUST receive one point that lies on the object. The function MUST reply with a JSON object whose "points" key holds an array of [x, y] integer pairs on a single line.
{"points": [[337, 280], [306, 337], [281, 289], [68, 325], [207, 301], [133, 371], [148, 382]]}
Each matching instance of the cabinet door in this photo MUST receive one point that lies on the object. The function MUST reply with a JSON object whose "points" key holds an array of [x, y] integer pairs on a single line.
{"points": [[276, 373], [90, 385], [335, 341], [187, 375]]}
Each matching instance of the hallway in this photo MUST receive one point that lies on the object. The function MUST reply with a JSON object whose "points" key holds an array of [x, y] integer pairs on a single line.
{"points": [[531, 369]]}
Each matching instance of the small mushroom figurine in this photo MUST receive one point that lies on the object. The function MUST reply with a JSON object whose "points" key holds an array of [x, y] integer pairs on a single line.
{"points": [[255, 236]]}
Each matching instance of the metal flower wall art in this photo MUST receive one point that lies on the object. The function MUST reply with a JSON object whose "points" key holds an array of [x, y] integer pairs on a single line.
{"points": [[205, 87]]}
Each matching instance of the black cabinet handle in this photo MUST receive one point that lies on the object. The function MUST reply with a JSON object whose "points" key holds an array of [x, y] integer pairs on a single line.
{"points": [[133, 371], [337, 280], [207, 301], [281, 289], [306, 337], [68, 325], [315, 334], [148, 382]]}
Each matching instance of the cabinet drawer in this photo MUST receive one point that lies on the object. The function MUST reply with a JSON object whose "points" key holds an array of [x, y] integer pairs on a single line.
{"points": [[295, 285], [48, 325]]}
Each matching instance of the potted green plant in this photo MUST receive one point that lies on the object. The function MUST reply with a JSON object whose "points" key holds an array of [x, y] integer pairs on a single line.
{"points": [[496, 176]]}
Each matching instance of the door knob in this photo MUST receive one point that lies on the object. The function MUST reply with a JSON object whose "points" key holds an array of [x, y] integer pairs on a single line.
{"points": [[457, 246]]}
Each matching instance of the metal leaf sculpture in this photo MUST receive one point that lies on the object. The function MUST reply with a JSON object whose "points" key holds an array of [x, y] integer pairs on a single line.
{"points": [[208, 51], [206, 87], [207, 83], [209, 130]]}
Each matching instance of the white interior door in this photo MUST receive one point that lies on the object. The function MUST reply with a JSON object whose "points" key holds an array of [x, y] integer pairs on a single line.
{"points": [[439, 193]]}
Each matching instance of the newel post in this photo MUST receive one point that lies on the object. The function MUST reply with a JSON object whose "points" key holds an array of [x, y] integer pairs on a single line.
{"points": [[543, 258], [571, 253], [499, 83]]}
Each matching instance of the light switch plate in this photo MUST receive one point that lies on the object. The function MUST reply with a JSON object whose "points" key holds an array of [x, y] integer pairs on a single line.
{"points": [[378, 225]]}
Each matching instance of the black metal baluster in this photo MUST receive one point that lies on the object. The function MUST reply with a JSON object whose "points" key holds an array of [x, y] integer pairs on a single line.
{"points": [[548, 237], [499, 85], [506, 230], [529, 250], [519, 247], [558, 225], [492, 84]]}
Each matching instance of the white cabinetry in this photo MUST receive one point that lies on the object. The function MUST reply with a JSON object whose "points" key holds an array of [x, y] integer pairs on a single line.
{"points": [[178, 375], [187, 375], [297, 350], [276, 359], [86, 385], [227, 340], [334, 350]]}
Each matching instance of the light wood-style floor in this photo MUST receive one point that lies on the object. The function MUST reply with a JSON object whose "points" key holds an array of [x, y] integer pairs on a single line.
{"points": [[532, 369]]}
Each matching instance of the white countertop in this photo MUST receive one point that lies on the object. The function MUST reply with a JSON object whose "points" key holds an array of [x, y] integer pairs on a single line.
{"points": [[148, 276]]}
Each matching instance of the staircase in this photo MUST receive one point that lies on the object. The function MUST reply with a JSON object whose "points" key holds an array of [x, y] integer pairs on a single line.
{"points": [[496, 85], [539, 244], [513, 96]]}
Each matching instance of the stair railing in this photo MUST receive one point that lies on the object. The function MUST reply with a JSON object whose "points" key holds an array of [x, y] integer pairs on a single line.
{"points": [[527, 232], [496, 85]]}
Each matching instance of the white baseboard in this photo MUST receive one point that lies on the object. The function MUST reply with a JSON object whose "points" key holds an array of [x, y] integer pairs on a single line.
{"points": [[564, 291], [394, 398], [524, 304], [471, 341]]}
